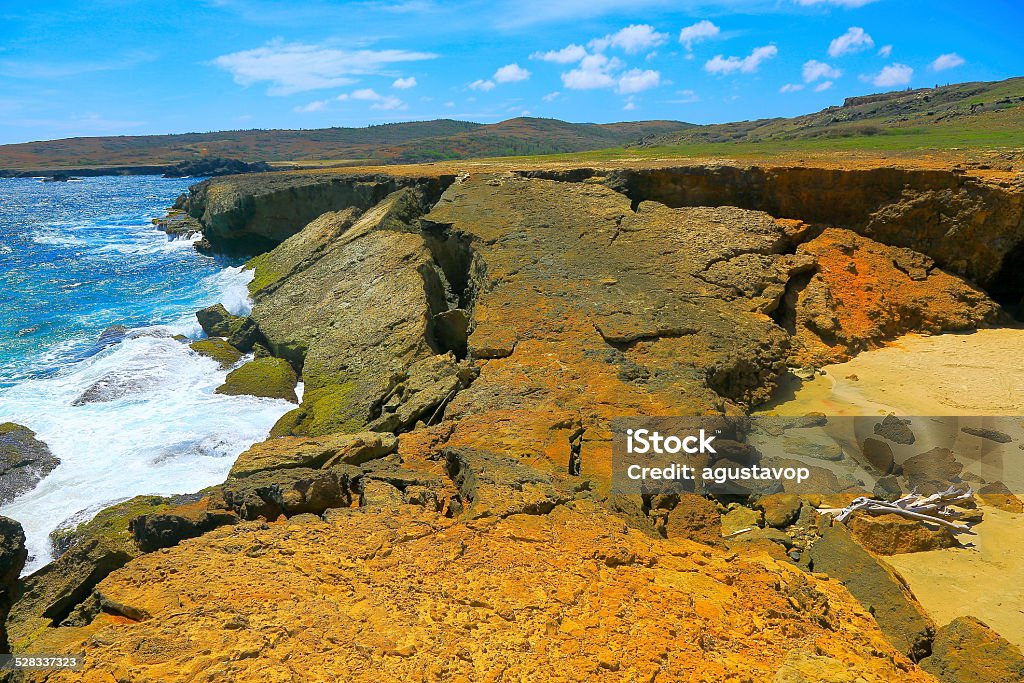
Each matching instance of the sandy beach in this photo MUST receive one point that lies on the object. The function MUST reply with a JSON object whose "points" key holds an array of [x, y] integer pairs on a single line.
{"points": [[974, 373]]}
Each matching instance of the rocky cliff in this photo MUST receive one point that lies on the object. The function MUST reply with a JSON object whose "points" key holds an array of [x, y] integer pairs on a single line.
{"points": [[438, 505]]}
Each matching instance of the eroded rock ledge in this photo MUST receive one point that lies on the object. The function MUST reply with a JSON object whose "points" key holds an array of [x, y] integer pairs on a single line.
{"points": [[437, 505]]}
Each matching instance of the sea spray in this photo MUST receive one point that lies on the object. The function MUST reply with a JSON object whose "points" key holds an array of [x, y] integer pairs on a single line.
{"points": [[135, 416]]}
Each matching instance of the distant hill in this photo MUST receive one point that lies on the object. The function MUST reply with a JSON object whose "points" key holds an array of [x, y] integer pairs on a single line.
{"points": [[967, 108], [390, 143], [965, 115]]}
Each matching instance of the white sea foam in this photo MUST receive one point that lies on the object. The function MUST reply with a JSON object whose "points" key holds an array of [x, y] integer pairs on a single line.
{"points": [[159, 428]]}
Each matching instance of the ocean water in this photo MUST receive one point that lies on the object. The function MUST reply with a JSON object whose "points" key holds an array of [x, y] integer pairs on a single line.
{"points": [[75, 259]]}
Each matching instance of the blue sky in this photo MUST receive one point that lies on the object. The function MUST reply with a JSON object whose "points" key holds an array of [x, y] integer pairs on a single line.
{"points": [[105, 67]]}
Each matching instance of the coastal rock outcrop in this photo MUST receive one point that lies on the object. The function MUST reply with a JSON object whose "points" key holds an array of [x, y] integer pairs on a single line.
{"points": [[24, 460], [967, 651], [252, 213], [12, 560], [403, 592]]}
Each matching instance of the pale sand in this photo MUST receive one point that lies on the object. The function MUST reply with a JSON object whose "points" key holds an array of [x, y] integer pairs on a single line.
{"points": [[975, 373], [979, 373]]}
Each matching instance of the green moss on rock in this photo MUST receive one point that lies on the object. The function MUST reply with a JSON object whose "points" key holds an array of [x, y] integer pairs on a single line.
{"points": [[266, 377], [326, 410], [109, 526], [217, 349]]}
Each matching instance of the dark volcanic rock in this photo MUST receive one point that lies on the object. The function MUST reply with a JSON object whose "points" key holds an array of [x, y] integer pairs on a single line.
{"points": [[214, 166], [967, 651], [285, 492], [24, 460], [896, 430], [990, 434]]}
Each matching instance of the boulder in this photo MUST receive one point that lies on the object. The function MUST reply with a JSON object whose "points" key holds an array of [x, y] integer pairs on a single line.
{"points": [[780, 510], [878, 454], [985, 433], [24, 461], [932, 471], [218, 349], [967, 651], [285, 492], [896, 430], [216, 321], [893, 534], [875, 586], [740, 518], [314, 452], [266, 377]]}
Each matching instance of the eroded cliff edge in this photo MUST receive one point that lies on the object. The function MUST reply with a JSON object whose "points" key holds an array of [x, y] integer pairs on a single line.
{"points": [[438, 504]]}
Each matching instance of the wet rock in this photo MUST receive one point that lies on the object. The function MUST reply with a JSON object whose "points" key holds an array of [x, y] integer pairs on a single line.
{"points": [[896, 430], [990, 434], [216, 321], [876, 587], [878, 454], [314, 452], [24, 461], [217, 349], [114, 386], [266, 377], [893, 534], [12, 560], [696, 518], [998, 495], [967, 651]]}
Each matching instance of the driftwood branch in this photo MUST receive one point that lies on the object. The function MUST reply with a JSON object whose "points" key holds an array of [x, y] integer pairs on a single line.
{"points": [[933, 509]]}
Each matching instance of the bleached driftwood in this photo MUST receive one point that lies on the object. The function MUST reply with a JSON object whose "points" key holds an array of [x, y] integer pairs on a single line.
{"points": [[933, 509]]}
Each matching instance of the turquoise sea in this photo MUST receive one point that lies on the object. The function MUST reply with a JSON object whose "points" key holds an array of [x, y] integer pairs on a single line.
{"points": [[91, 295]]}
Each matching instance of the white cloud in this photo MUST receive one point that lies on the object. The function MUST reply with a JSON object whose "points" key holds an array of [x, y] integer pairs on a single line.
{"points": [[893, 75], [381, 102], [748, 64], [567, 55], [629, 106], [823, 86], [815, 70], [837, 3], [315, 106], [791, 87], [695, 33], [594, 71], [510, 73], [631, 39], [637, 80], [482, 85], [404, 83], [950, 60], [551, 96], [296, 67], [854, 40], [885, 51]]}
